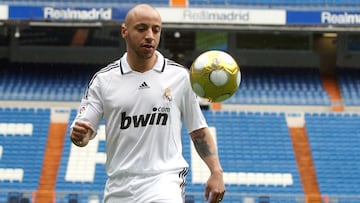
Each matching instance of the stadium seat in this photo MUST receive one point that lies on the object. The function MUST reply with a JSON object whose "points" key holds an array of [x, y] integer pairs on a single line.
{"points": [[333, 140], [279, 86], [349, 86]]}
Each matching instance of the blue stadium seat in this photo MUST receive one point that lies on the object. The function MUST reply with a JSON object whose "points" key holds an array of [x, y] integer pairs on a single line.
{"points": [[290, 86], [23, 150], [249, 142], [333, 142], [349, 87]]}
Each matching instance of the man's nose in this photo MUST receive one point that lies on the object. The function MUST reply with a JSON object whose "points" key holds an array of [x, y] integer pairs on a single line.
{"points": [[149, 34]]}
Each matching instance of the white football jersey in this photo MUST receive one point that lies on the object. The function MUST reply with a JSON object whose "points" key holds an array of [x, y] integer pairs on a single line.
{"points": [[143, 115]]}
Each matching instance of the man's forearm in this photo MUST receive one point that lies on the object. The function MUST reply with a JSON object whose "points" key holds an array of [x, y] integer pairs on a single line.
{"points": [[206, 148]]}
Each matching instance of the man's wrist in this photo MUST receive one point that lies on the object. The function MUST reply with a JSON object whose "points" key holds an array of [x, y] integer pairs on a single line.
{"points": [[217, 171]]}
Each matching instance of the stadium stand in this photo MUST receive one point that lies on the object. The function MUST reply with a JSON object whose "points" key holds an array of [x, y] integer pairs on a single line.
{"points": [[48, 84], [23, 137], [259, 85], [334, 139], [273, 85], [276, 157], [268, 4], [276, 86], [348, 82], [254, 145]]}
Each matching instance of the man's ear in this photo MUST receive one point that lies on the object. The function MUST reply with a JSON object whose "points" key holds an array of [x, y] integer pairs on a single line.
{"points": [[123, 30]]}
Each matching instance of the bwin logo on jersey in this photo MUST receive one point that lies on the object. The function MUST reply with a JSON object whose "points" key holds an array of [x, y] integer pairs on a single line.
{"points": [[158, 117]]}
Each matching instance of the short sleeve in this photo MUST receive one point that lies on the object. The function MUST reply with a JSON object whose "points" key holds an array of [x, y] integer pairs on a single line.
{"points": [[191, 111]]}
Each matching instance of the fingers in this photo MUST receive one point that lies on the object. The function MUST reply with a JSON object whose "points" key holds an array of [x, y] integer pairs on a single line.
{"points": [[207, 194], [83, 124], [214, 196], [81, 133], [220, 196], [80, 142]]}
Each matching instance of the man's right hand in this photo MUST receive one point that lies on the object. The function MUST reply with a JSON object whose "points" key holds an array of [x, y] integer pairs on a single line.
{"points": [[81, 133]]}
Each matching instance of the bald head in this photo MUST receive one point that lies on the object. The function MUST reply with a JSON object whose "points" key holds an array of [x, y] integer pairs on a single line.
{"points": [[141, 11]]}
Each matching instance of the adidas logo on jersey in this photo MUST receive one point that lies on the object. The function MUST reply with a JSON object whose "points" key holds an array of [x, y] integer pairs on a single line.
{"points": [[144, 86]]}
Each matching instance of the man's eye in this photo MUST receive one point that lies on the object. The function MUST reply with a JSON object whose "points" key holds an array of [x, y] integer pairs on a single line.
{"points": [[140, 28], [156, 30]]}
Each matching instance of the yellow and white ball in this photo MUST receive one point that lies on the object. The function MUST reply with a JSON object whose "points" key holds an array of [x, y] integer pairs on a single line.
{"points": [[215, 75]]}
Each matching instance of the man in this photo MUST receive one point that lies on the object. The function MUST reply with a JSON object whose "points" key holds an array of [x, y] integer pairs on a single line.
{"points": [[143, 98]]}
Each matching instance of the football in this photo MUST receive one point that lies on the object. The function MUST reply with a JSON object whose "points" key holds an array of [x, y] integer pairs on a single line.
{"points": [[215, 75]]}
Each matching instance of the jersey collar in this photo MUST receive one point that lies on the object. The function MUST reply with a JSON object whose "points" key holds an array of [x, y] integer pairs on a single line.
{"points": [[159, 65]]}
